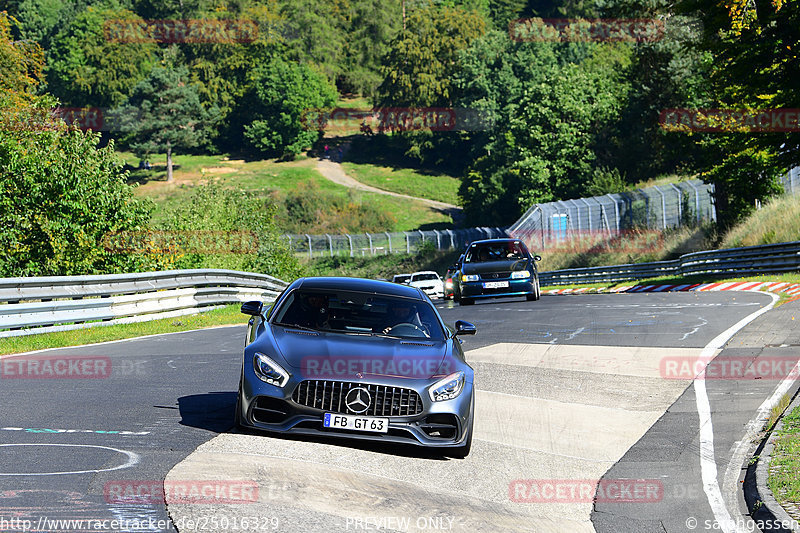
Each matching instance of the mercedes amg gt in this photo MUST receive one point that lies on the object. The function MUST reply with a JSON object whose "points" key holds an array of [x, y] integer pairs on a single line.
{"points": [[360, 359]]}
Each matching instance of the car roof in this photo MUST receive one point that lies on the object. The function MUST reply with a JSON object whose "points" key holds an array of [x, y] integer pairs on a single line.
{"points": [[494, 241], [358, 284], [424, 272]]}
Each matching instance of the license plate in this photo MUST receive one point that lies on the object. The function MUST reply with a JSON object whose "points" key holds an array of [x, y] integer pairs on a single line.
{"points": [[495, 284], [356, 423]]}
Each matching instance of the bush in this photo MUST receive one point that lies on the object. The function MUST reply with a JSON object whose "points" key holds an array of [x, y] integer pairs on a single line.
{"points": [[60, 195]]}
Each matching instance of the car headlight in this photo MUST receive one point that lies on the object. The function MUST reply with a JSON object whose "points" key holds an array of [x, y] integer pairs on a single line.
{"points": [[448, 388], [269, 371], [470, 277], [520, 274]]}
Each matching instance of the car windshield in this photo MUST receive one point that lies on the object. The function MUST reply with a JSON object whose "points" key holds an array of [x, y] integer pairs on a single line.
{"points": [[499, 251], [402, 279], [359, 313], [424, 277]]}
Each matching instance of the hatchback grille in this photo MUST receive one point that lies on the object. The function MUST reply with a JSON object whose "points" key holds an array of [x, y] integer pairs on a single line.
{"points": [[384, 400], [495, 275]]}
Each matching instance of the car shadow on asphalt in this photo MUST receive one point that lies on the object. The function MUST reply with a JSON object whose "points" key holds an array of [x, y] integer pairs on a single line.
{"points": [[212, 411]]}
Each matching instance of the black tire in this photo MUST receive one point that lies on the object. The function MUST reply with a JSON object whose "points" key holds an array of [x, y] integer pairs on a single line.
{"points": [[466, 301], [237, 416], [531, 297], [462, 451]]}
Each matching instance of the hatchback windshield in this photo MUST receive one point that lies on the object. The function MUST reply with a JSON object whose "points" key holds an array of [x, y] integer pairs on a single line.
{"points": [[424, 277], [496, 251], [359, 313]]}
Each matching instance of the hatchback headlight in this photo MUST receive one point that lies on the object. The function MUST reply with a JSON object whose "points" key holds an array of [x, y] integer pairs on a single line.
{"points": [[520, 274], [269, 371], [448, 388], [470, 277]]}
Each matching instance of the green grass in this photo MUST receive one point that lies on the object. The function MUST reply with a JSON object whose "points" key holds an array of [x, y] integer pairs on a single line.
{"points": [[268, 178], [406, 181], [217, 317], [777, 221], [785, 461]]}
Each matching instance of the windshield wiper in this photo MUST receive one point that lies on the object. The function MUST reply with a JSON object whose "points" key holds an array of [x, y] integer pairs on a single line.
{"points": [[296, 326]]}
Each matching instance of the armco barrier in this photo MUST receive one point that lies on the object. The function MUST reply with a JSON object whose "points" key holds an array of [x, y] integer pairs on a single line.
{"points": [[764, 259], [58, 303]]}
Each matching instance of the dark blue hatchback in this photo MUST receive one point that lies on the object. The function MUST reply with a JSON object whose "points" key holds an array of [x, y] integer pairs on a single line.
{"points": [[496, 268]]}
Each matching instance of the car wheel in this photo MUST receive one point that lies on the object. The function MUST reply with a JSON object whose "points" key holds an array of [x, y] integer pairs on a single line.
{"points": [[531, 297], [465, 301]]}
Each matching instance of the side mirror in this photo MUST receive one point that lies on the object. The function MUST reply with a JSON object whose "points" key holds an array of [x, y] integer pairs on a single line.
{"points": [[465, 328], [253, 308], [537, 257]]}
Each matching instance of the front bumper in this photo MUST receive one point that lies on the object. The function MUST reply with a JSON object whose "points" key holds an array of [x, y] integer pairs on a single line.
{"points": [[516, 287], [439, 425]]}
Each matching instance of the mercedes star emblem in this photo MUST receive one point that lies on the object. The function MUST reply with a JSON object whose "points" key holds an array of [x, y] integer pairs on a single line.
{"points": [[357, 400]]}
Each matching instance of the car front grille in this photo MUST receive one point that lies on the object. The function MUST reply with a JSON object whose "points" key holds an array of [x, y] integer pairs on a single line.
{"points": [[492, 276], [331, 396]]}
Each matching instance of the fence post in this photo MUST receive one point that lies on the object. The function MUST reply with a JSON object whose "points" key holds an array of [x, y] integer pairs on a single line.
{"points": [[310, 253], [350, 240], [696, 200], [589, 216], [371, 249], [408, 243], [330, 243], [452, 244], [680, 201], [438, 240], [423, 237], [616, 210], [663, 208], [389, 236]]}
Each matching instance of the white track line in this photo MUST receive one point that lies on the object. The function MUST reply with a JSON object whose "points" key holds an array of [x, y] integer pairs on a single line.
{"points": [[708, 464]]}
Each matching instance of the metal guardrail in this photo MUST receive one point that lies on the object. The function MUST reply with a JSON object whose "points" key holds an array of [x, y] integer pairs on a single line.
{"points": [[60, 303], [764, 259]]}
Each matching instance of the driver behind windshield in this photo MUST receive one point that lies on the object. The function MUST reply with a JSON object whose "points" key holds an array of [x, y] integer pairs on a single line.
{"points": [[401, 312], [312, 312]]}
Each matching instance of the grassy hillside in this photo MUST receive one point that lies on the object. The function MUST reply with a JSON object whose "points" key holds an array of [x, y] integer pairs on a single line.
{"points": [[406, 181], [336, 209], [776, 221]]}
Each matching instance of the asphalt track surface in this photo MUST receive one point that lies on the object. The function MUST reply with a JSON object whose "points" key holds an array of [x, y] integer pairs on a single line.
{"points": [[572, 389]]}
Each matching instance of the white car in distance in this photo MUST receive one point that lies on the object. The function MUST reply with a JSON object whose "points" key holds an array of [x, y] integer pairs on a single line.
{"points": [[430, 283]]}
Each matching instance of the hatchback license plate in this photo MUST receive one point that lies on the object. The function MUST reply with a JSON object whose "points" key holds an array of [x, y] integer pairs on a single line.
{"points": [[495, 284], [356, 423]]}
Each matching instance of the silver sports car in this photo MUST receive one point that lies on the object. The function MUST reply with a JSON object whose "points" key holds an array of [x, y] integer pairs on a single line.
{"points": [[360, 359]]}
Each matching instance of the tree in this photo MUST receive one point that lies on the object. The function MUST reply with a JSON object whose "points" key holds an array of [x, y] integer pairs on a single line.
{"points": [[280, 95], [553, 102], [86, 67], [755, 66], [60, 197], [164, 114], [422, 59], [21, 62]]}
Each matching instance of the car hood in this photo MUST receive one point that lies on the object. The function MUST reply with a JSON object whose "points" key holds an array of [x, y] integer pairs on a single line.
{"points": [[494, 266], [334, 356]]}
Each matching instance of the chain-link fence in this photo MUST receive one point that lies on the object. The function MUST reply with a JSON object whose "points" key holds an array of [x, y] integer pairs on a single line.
{"points": [[657, 207], [791, 181], [363, 244]]}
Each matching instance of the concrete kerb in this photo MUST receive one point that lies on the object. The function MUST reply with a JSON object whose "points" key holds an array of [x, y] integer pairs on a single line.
{"points": [[755, 484]]}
